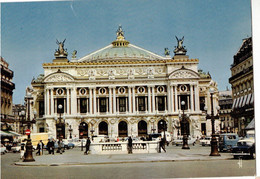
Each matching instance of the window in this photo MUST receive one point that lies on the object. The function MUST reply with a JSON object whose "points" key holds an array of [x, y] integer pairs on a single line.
{"points": [[122, 104], [102, 105], [161, 103], [185, 99], [60, 101], [141, 103], [83, 105], [202, 103], [41, 108]]}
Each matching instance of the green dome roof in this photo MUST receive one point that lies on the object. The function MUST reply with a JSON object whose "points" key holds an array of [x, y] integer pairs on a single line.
{"points": [[120, 49]]}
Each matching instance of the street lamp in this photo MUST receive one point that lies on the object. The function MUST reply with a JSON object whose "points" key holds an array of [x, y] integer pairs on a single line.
{"points": [[70, 130], [22, 114], [92, 131], [59, 127], [153, 128], [28, 156], [214, 142], [184, 123], [164, 128]]}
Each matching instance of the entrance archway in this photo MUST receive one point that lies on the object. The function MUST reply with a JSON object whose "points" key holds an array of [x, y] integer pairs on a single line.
{"points": [[103, 128], [122, 129], [142, 128], [60, 130], [161, 124], [83, 130]]}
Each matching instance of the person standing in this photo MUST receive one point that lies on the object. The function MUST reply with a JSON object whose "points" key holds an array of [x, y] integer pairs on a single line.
{"points": [[52, 147], [41, 146], [87, 146], [130, 145], [22, 150]]}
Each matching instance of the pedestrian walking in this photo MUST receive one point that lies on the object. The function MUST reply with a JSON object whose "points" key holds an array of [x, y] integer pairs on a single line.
{"points": [[130, 145], [88, 142], [38, 148], [22, 151], [59, 150], [49, 146], [162, 144]]}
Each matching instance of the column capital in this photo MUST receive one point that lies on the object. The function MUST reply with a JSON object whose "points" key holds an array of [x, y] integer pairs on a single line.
{"points": [[150, 86], [174, 84]]}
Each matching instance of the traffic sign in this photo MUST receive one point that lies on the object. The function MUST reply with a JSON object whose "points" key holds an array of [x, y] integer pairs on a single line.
{"points": [[27, 132]]}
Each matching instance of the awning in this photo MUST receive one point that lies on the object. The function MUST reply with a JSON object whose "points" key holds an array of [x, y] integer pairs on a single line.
{"points": [[234, 102], [252, 99], [251, 125], [241, 101], [14, 133], [248, 99], [238, 100], [2, 133], [244, 102]]}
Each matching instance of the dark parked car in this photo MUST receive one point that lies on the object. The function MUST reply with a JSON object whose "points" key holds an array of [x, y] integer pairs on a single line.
{"points": [[245, 148]]}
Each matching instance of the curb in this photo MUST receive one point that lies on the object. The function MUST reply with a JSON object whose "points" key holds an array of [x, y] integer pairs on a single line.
{"points": [[105, 163]]}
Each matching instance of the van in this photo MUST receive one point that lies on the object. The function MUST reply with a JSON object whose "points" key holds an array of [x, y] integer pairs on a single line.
{"points": [[227, 141]]}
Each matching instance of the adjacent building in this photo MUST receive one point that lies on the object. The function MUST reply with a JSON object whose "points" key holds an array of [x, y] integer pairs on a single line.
{"points": [[121, 90], [225, 104], [242, 86], [7, 87]]}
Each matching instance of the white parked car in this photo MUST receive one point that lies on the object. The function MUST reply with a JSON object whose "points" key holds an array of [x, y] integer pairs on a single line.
{"points": [[3, 149], [179, 141], [16, 148], [205, 141]]}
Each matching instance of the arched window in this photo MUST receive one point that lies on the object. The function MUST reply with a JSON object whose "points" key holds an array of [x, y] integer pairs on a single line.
{"points": [[122, 129], [142, 128], [103, 128]]}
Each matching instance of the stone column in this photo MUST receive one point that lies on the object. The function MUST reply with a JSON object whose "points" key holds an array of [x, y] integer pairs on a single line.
{"points": [[46, 98], [90, 101], [197, 97], [129, 100], [68, 105], [149, 99], [175, 98], [153, 99], [95, 101], [134, 100], [114, 100], [169, 97], [110, 100], [52, 102], [191, 98], [73, 101]]}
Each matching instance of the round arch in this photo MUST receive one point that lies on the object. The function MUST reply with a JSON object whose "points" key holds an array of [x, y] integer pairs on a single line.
{"points": [[103, 128], [142, 128], [122, 129], [83, 130], [162, 125]]}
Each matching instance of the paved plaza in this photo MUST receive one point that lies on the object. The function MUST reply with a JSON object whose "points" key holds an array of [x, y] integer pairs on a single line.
{"points": [[76, 157]]}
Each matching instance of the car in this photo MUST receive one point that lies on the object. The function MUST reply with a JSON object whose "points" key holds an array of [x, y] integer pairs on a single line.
{"points": [[99, 138], [3, 149], [245, 148], [179, 141], [68, 144], [205, 141], [135, 139], [227, 141], [16, 148]]}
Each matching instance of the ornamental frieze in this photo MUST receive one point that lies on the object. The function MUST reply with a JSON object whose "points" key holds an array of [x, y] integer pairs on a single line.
{"points": [[183, 74], [58, 78]]}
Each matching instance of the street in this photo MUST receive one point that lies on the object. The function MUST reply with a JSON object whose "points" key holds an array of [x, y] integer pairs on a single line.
{"points": [[175, 169]]}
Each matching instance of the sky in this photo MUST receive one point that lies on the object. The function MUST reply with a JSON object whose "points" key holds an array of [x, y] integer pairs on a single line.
{"points": [[213, 31]]}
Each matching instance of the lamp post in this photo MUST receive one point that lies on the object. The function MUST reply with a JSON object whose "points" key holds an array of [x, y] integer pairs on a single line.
{"points": [[59, 128], [214, 142], [184, 124], [22, 115], [164, 128], [28, 156], [70, 130], [153, 128], [92, 131]]}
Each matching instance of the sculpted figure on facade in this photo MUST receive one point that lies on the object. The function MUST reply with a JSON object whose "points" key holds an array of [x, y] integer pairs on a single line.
{"points": [[180, 49], [61, 51]]}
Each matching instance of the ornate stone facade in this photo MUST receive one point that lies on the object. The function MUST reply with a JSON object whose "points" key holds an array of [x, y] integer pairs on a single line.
{"points": [[123, 90], [242, 86]]}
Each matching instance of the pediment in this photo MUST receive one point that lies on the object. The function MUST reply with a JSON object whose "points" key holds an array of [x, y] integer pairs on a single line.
{"points": [[59, 77], [183, 73]]}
